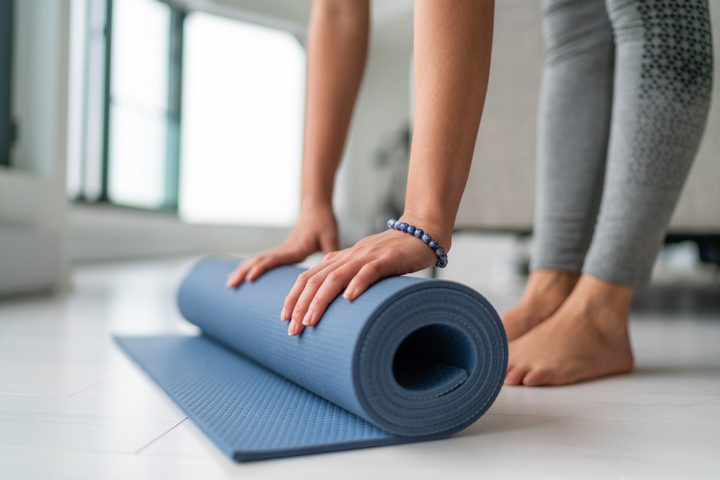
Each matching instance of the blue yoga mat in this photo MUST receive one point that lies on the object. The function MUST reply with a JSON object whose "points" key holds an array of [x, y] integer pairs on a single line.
{"points": [[411, 359]]}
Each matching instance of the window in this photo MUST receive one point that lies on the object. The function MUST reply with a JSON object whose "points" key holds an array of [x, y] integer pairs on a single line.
{"points": [[6, 37], [124, 102], [86, 102], [140, 118], [243, 89], [233, 156]]}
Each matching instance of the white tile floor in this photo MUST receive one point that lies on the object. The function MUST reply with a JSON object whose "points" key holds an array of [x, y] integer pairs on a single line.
{"points": [[73, 407]]}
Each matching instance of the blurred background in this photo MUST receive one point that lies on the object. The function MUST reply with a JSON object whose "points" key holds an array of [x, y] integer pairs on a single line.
{"points": [[138, 135], [140, 129]]}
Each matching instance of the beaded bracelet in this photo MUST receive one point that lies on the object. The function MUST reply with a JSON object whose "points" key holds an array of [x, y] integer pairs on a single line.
{"points": [[442, 259]]}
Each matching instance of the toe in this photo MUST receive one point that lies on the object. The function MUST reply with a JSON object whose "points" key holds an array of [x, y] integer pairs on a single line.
{"points": [[515, 375], [514, 324], [536, 377]]}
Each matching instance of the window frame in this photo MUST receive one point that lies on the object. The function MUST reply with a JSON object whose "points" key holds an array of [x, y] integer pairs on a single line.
{"points": [[172, 126], [170, 206], [7, 124]]}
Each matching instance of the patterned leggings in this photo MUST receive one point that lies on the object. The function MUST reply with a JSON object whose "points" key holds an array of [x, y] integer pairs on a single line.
{"points": [[624, 102]]}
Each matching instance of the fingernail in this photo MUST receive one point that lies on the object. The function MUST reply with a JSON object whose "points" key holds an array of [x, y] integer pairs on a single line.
{"points": [[309, 317], [284, 314], [293, 328], [348, 294]]}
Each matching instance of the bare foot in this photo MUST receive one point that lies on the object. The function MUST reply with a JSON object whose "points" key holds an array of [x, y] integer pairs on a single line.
{"points": [[545, 292], [586, 338]]}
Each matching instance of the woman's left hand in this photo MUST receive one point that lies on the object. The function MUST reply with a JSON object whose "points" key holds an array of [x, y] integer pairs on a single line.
{"points": [[354, 269]]}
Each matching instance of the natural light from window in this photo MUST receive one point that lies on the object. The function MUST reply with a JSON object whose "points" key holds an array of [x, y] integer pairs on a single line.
{"points": [[139, 93], [243, 88]]}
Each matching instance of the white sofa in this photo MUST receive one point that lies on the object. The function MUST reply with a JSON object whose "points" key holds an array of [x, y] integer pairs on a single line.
{"points": [[500, 190]]}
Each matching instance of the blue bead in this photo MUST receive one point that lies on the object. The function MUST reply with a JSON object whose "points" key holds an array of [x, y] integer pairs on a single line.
{"points": [[419, 232], [442, 262], [426, 238], [433, 244], [410, 229], [403, 227], [391, 223], [439, 251]]}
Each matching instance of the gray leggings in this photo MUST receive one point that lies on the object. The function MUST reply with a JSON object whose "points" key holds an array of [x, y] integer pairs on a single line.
{"points": [[624, 102]]}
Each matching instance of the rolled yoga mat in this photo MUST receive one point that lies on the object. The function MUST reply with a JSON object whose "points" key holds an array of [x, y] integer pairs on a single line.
{"points": [[411, 359]]}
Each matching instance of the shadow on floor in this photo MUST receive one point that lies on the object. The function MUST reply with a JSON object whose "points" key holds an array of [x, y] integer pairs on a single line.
{"points": [[678, 299], [677, 371]]}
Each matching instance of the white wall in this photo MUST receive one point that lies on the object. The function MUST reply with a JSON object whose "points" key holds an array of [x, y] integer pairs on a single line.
{"points": [[106, 232], [33, 210], [383, 108]]}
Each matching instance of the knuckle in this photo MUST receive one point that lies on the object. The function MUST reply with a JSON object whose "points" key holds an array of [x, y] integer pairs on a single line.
{"points": [[314, 281], [270, 257], [388, 255], [333, 277], [372, 255], [295, 292], [303, 277], [370, 269]]}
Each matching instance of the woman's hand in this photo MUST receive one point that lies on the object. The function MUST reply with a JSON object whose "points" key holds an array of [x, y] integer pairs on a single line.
{"points": [[316, 230], [354, 269]]}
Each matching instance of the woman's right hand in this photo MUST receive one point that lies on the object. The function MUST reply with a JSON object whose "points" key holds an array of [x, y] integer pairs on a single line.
{"points": [[315, 230]]}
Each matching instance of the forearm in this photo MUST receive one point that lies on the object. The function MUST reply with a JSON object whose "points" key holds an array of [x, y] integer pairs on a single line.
{"points": [[337, 49], [453, 41], [452, 55]]}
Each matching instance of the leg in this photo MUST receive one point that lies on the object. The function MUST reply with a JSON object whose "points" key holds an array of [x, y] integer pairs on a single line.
{"points": [[574, 119], [662, 93]]}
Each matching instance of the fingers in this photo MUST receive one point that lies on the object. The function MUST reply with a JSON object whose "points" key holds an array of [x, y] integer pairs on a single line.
{"points": [[368, 274], [269, 261], [253, 267], [353, 270], [301, 282], [320, 290], [237, 276]]}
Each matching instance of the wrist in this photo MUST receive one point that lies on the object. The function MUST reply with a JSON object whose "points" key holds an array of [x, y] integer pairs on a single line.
{"points": [[439, 228], [314, 205]]}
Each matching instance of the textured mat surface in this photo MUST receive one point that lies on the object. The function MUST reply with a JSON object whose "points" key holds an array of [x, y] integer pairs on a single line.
{"points": [[411, 359]]}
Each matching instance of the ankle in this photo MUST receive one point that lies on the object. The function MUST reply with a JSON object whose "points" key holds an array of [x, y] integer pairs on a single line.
{"points": [[551, 284], [602, 293], [605, 303]]}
